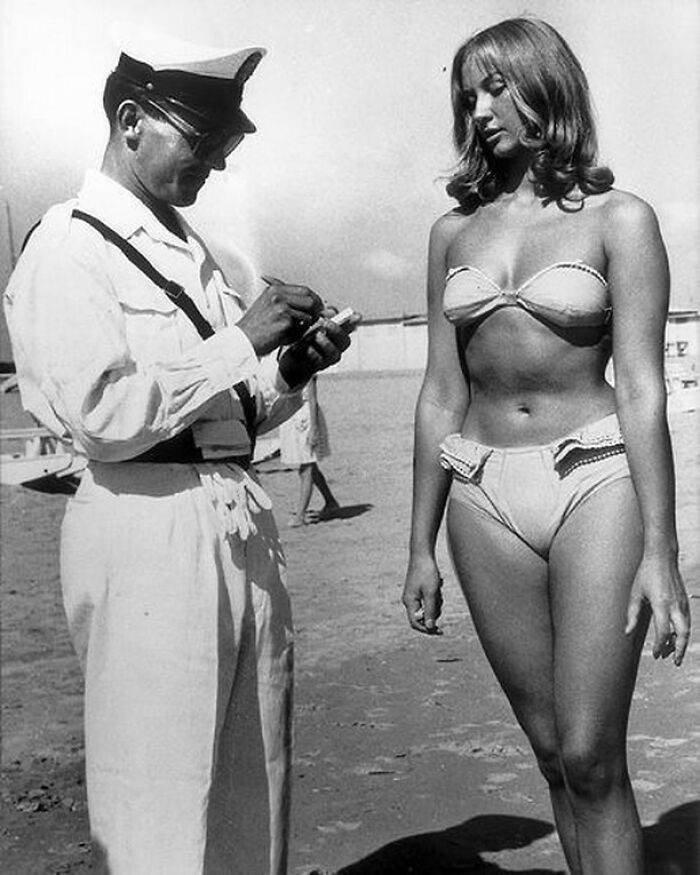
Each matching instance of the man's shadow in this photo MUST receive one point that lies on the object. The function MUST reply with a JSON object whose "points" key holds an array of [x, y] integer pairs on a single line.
{"points": [[454, 850], [672, 846]]}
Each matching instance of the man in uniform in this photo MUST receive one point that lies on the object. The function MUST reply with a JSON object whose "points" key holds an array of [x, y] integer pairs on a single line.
{"points": [[129, 342]]}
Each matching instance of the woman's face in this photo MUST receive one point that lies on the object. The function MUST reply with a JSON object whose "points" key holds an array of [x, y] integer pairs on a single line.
{"points": [[492, 109]]}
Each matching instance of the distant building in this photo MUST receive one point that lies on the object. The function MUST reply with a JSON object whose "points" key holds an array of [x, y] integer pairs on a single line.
{"points": [[401, 343]]}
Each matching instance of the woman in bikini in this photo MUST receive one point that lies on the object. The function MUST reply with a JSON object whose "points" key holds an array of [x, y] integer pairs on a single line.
{"points": [[560, 516]]}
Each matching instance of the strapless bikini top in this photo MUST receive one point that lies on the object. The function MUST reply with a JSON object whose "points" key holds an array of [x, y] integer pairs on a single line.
{"points": [[568, 294]]}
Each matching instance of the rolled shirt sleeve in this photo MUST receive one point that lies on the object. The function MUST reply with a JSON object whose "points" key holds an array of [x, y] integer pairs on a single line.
{"points": [[78, 374]]}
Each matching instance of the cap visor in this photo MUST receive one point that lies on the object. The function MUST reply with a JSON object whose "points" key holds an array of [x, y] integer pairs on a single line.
{"points": [[241, 121]]}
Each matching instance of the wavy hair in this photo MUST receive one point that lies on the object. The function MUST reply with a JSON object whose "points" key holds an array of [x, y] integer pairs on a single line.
{"points": [[550, 92]]}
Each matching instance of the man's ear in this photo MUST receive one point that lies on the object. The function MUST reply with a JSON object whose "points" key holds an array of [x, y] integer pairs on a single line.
{"points": [[129, 118]]}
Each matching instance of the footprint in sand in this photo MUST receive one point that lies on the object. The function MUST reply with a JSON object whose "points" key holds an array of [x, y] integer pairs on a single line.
{"points": [[664, 747], [496, 780], [339, 826], [515, 797], [501, 777], [639, 785]]}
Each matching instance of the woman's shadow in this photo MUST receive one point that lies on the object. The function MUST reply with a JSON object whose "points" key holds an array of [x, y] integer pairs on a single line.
{"points": [[672, 846]]}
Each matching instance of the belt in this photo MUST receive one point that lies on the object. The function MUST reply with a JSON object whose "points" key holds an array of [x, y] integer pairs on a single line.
{"points": [[181, 449]]}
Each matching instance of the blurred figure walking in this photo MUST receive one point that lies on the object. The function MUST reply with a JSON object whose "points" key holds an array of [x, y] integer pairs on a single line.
{"points": [[303, 443]]}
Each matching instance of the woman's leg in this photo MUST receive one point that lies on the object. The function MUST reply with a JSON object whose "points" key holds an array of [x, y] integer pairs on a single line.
{"points": [[505, 583], [320, 482], [592, 565]]}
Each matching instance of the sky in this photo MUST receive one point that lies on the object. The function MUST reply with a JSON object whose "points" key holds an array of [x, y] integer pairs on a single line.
{"points": [[340, 185]]}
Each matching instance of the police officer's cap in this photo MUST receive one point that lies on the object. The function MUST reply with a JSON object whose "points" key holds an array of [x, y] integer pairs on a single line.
{"points": [[207, 79]]}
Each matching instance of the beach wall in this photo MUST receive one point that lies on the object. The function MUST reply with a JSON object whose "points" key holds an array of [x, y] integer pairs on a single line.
{"points": [[682, 360]]}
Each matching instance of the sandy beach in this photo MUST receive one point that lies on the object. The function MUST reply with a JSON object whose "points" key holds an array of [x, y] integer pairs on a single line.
{"points": [[406, 752]]}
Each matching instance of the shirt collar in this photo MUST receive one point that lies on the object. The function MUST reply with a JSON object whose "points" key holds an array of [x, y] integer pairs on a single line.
{"points": [[106, 199]]}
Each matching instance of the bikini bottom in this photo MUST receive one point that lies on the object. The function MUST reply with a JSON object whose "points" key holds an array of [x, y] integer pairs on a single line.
{"points": [[533, 490]]}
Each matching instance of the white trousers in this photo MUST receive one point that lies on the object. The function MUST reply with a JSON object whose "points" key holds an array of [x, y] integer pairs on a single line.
{"points": [[181, 619]]}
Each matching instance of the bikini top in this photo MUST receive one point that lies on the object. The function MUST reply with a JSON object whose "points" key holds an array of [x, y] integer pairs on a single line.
{"points": [[570, 294]]}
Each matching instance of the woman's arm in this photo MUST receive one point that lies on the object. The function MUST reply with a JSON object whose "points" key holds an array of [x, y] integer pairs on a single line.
{"points": [[639, 282], [440, 410]]}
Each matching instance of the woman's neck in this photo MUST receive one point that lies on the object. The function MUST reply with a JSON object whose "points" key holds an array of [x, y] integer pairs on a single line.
{"points": [[515, 178]]}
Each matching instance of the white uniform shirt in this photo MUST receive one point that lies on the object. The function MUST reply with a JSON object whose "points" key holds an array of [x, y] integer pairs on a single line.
{"points": [[107, 360]]}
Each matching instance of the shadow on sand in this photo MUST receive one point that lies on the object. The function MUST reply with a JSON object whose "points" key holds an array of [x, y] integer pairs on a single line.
{"points": [[672, 844], [454, 850], [672, 847], [346, 512]]}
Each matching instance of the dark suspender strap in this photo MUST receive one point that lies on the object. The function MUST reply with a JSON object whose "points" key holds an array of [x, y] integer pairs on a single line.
{"points": [[181, 299], [28, 235], [172, 289]]}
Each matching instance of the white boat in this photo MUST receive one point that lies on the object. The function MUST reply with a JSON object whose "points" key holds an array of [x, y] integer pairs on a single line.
{"points": [[43, 463], [46, 464]]}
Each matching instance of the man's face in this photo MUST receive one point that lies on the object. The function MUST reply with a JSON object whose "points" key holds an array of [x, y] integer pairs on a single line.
{"points": [[167, 168]]}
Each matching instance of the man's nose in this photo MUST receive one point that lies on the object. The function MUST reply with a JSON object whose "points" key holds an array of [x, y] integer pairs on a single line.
{"points": [[215, 159]]}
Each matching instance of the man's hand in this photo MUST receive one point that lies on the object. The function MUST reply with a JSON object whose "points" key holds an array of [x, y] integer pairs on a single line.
{"points": [[279, 315], [320, 349]]}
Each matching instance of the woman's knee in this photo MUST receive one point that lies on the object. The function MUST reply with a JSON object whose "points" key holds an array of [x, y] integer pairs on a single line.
{"points": [[593, 769], [549, 764], [542, 736]]}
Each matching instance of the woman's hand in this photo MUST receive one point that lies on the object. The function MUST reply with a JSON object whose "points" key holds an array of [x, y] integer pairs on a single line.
{"points": [[659, 582], [422, 595]]}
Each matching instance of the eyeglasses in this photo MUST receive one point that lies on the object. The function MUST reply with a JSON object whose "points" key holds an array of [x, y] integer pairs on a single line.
{"points": [[202, 144]]}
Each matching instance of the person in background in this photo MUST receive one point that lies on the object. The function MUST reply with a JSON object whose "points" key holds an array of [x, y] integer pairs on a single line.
{"points": [[561, 519], [130, 343], [303, 443]]}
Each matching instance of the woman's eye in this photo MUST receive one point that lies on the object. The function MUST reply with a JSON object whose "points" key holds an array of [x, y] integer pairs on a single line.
{"points": [[497, 89]]}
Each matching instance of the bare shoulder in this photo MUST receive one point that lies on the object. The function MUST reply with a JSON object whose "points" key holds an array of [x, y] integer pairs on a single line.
{"points": [[626, 215], [447, 227]]}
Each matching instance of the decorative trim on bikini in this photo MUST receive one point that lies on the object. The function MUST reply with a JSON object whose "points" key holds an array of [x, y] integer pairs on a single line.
{"points": [[465, 458], [575, 452], [576, 265], [586, 268]]}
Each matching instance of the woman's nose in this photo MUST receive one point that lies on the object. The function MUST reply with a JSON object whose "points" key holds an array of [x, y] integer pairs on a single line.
{"points": [[482, 107]]}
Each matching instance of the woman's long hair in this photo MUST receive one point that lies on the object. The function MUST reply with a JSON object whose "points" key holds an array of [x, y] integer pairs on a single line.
{"points": [[550, 91]]}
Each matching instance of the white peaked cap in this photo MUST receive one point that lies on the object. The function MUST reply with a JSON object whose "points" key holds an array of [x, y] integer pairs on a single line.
{"points": [[205, 80], [164, 52]]}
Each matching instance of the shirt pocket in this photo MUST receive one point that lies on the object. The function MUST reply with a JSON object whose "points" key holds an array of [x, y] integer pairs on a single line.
{"points": [[152, 322]]}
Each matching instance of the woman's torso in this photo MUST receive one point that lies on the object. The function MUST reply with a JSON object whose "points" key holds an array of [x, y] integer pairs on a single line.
{"points": [[527, 293]]}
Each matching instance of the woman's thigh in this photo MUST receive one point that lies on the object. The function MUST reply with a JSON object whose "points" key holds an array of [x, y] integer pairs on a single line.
{"points": [[505, 584], [593, 561]]}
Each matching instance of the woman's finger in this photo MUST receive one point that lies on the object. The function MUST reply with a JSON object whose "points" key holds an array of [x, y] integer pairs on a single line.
{"points": [[415, 614], [633, 609], [681, 626], [662, 632]]}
